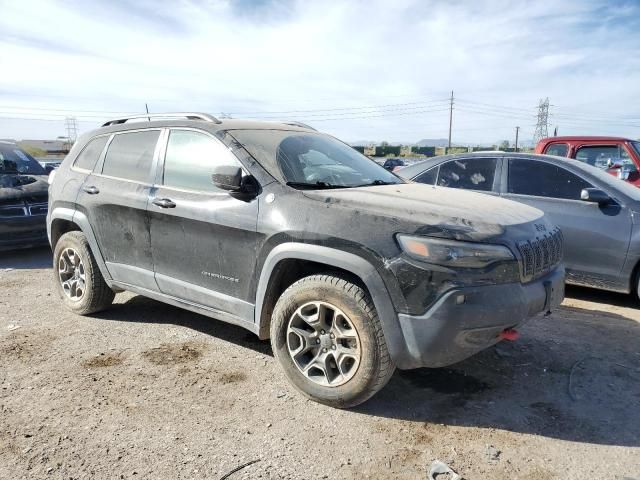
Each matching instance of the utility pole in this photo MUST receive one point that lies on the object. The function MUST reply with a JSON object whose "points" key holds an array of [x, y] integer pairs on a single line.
{"points": [[517, 131], [450, 118], [147, 109]]}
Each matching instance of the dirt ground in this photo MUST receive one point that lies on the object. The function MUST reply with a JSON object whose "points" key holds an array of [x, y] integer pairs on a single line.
{"points": [[145, 390]]}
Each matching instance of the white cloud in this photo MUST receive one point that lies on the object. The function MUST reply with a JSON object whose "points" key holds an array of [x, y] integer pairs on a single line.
{"points": [[283, 56]]}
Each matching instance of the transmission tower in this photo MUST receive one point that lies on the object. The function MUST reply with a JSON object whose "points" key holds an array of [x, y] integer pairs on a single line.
{"points": [[542, 126], [71, 124]]}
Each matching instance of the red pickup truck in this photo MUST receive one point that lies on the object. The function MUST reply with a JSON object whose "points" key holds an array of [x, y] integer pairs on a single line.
{"points": [[619, 156]]}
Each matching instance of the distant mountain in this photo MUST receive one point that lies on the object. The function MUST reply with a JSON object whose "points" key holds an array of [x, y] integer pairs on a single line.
{"points": [[425, 142], [366, 143], [433, 142]]}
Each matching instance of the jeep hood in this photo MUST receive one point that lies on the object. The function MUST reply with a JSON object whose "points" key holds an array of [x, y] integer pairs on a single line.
{"points": [[17, 186], [435, 211]]}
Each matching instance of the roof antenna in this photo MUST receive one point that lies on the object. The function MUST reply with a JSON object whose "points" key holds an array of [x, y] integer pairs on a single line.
{"points": [[147, 108]]}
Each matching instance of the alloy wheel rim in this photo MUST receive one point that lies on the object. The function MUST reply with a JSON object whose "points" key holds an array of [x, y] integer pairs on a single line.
{"points": [[323, 344], [72, 274]]}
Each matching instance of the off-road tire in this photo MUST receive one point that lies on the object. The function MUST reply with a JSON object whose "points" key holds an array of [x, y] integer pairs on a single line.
{"points": [[375, 367], [97, 295]]}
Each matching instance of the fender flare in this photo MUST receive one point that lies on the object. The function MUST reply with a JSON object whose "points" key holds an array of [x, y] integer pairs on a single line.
{"points": [[81, 220], [344, 260]]}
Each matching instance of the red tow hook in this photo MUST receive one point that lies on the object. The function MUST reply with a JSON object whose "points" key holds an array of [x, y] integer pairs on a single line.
{"points": [[509, 334]]}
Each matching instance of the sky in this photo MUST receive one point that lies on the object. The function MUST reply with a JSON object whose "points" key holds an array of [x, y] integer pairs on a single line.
{"points": [[361, 70]]}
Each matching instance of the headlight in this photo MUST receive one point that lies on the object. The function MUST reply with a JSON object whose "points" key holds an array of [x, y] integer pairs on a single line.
{"points": [[453, 253]]}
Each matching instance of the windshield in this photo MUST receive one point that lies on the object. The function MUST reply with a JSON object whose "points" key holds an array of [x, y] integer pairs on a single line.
{"points": [[606, 156], [627, 189], [14, 160], [636, 147], [310, 160]]}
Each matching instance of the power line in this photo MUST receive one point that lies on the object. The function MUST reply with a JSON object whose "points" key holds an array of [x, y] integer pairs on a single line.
{"points": [[370, 107], [397, 114], [12, 107], [497, 107]]}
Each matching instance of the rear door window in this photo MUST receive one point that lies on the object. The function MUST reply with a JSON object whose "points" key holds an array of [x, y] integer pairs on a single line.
{"points": [[130, 155], [558, 149], [468, 173], [91, 153], [190, 159], [541, 179]]}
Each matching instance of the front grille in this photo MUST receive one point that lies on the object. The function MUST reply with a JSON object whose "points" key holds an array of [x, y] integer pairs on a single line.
{"points": [[23, 209], [540, 255], [38, 208], [14, 210]]}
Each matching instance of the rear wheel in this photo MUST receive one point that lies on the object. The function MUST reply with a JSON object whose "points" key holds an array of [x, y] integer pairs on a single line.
{"points": [[77, 276], [326, 334]]}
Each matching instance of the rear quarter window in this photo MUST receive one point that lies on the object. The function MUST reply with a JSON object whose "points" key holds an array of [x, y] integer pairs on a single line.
{"points": [[558, 149], [91, 153], [129, 155]]}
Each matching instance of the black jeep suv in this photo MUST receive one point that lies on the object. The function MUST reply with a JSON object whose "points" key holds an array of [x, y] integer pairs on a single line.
{"points": [[23, 199], [297, 237]]}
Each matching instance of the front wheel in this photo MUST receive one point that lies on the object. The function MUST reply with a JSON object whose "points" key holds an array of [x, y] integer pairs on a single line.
{"points": [[327, 337], [77, 276]]}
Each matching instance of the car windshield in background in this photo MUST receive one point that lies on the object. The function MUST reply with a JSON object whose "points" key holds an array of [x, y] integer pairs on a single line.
{"points": [[636, 146], [14, 160], [606, 156], [627, 189], [303, 160]]}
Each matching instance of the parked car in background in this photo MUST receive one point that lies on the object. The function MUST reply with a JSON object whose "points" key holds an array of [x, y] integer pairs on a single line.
{"points": [[297, 237], [618, 156], [392, 163], [49, 164], [596, 212], [23, 199]]}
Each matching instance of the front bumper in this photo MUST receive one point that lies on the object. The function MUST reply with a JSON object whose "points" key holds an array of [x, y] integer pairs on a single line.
{"points": [[23, 232], [465, 321]]}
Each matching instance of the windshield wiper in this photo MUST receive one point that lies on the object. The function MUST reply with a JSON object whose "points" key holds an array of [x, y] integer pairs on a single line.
{"points": [[378, 182], [313, 186]]}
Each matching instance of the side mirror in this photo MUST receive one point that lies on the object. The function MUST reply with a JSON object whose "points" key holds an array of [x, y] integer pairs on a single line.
{"points": [[595, 195], [49, 168], [227, 177]]}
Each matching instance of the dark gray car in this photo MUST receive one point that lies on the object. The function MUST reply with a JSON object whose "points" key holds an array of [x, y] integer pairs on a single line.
{"points": [[297, 237], [596, 212]]}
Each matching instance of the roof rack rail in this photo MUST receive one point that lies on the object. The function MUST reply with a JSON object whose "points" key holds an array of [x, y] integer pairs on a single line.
{"points": [[300, 124], [188, 115]]}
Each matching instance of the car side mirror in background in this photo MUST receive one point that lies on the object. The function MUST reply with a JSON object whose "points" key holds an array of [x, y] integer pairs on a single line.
{"points": [[227, 177], [49, 168], [595, 195]]}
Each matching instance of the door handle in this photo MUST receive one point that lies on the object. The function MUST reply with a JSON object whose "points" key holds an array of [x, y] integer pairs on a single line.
{"points": [[91, 190], [164, 203]]}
